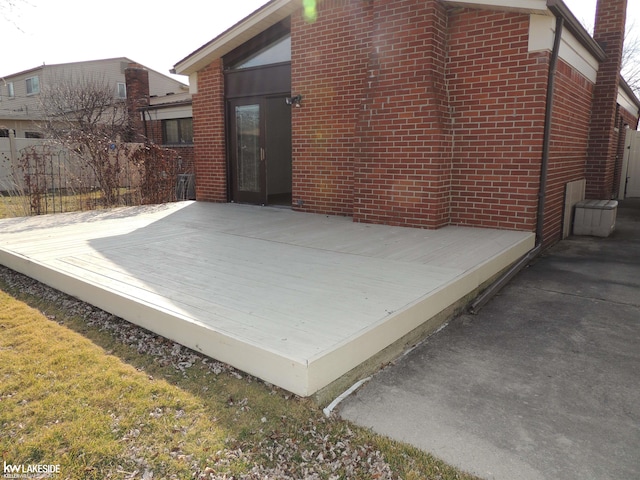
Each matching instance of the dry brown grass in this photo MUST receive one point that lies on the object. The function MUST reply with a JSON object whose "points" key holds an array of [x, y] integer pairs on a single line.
{"points": [[105, 399]]}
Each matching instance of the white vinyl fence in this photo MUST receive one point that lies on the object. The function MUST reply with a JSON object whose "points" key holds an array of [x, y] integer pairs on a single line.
{"points": [[49, 178], [24, 161]]}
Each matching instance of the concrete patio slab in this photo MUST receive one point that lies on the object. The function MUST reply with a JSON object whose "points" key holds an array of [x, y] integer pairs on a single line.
{"points": [[542, 383]]}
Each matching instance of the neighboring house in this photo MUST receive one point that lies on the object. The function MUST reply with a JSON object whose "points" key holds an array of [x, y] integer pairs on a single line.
{"points": [[164, 119], [158, 105], [419, 113], [20, 108]]}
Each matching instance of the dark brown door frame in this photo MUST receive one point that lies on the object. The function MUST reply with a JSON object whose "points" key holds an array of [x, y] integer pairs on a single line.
{"points": [[252, 86], [247, 150]]}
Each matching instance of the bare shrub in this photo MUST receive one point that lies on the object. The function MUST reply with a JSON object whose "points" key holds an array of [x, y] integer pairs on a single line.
{"points": [[84, 115], [159, 172]]}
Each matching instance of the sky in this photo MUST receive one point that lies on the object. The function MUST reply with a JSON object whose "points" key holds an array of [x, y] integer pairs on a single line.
{"points": [[155, 33]]}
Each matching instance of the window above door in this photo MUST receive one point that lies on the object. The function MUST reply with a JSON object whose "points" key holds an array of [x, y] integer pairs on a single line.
{"points": [[270, 47], [277, 52]]}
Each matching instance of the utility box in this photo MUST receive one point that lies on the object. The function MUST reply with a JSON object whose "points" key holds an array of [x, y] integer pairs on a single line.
{"points": [[595, 217]]}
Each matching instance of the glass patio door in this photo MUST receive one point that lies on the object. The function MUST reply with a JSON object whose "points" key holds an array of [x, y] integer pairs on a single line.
{"points": [[247, 151]]}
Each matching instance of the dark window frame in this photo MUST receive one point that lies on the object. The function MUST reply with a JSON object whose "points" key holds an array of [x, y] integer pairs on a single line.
{"points": [[32, 85], [181, 127], [121, 90]]}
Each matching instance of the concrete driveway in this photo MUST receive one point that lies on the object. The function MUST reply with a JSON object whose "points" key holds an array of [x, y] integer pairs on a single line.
{"points": [[544, 383]]}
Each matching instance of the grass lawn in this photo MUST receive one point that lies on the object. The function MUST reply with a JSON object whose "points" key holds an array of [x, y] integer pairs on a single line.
{"points": [[13, 206], [20, 205], [105, 399]]}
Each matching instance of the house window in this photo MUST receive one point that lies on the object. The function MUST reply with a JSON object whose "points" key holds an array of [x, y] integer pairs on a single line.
{"points": [[33, 85], [4, 132], [32, 135], [10, 92], [177, 131], [122, 90], [276, 52]]}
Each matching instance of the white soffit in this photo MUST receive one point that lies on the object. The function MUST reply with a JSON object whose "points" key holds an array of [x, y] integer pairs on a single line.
{"points": [[626, 102], [541, 34], [193, 83], [245, 30], [525, 6], [169, 113]]}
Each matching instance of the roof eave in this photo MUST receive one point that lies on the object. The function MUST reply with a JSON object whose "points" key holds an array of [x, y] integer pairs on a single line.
{"points": [[520, 6], [160, 106], [571, 23], [629, 91], [260, 20], [23, 72], [556, 7]]}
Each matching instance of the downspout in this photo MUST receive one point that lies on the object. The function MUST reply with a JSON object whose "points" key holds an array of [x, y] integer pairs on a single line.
{"points": [[548, 118], [144, 123], [496, 286]]}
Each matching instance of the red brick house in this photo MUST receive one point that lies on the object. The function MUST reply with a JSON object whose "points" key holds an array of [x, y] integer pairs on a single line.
{"points": [[420, 113]]}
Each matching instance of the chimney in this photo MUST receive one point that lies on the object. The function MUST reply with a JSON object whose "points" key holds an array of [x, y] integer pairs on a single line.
{"points": [[603, 139], [137, 83]]}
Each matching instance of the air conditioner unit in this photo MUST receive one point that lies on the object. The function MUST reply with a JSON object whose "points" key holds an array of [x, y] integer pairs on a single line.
{"points": [[186, 187]]}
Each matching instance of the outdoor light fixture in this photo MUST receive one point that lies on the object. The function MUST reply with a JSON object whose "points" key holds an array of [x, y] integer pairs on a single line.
{"points": [[295, 101]]}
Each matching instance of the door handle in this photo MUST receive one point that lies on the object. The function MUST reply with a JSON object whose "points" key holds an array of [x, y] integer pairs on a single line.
{"points": [[261, 154]]}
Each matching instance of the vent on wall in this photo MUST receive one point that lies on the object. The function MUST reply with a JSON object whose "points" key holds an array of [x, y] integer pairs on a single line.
{"points": [[574, 192]]}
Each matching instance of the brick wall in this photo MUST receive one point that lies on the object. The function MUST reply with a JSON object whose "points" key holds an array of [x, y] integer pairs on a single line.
{"points": [[137, 82], [209, 135], [370, 139], [569, 141], [497, 99], [137, 85], [154, 131], [185, 152], [418, 115], [329, 61], [603, 141], [402, 169], [431, 145]]}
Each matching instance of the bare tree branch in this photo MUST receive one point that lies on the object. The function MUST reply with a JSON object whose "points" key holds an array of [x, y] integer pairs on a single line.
{"points": [[630, 65], [84, 115], [7, 9], [630, 68]]}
